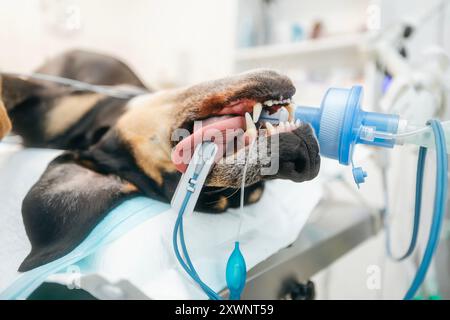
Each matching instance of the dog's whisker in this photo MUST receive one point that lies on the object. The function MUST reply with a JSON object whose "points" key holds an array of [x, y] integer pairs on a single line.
{"points": [[226, 197], [216, 191]]}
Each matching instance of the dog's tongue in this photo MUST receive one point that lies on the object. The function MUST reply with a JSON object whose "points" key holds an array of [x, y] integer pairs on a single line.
{"points": [[211, 129]]}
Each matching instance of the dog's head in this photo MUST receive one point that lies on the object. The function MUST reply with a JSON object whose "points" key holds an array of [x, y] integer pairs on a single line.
{"points": [[161, 130], [132, 147]]}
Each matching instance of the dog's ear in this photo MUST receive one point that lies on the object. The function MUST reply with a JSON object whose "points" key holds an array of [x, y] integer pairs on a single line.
{"points": [[65, 205], [5, 123], [14, 90]]}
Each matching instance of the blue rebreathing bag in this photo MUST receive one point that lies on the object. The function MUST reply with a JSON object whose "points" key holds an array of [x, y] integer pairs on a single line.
{"points": [[117, 222]]}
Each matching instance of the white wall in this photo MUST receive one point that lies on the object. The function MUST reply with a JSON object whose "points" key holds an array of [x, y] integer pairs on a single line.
{"points": [[170, 41]]}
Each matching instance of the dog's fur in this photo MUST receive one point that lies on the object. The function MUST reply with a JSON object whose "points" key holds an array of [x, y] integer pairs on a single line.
{"points": [[120, 148], [5, 123]]}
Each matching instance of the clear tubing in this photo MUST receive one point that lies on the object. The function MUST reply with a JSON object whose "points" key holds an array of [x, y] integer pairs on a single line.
{"points": [[422, 136], [121, 93], [244, 175], [387, 135]]}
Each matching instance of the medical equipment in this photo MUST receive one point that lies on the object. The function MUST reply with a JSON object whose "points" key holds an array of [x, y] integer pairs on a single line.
{"points": [[416, 88], [183, 201], [340, 124], [111, 91]]}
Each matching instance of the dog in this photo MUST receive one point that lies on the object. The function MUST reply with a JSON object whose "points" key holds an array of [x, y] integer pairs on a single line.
{"points": [[118, 148], [5, 123]]}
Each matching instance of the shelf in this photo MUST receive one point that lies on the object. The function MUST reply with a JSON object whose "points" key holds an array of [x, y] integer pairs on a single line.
{"points": [[338, 48]]}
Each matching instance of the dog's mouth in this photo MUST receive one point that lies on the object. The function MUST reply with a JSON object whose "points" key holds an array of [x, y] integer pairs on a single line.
{"points": [[234, 125]]}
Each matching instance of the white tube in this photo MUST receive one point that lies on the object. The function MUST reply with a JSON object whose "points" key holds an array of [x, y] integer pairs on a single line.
{"points": [[413, 135], [117, 92]]}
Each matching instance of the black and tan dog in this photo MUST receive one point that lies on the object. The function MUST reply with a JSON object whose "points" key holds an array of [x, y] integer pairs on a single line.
{"points": [[5, 123], [119, 148]]}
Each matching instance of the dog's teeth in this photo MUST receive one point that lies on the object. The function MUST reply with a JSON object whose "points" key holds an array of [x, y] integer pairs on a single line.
{"points": [[293, 125], [270, 129], [257, 108], [249, 122], [291, 109], [287, 125], [269, 103], [250, 125], [297, 123], [284, 114], [281, 127]]}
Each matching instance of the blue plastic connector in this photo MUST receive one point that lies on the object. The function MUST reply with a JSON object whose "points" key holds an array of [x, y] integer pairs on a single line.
{"points": [[236, 273], [359, 175], [338, 123]]}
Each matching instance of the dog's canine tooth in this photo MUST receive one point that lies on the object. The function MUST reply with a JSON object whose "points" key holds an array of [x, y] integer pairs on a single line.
{"points": [[297, 123], [257, 108], [281, 127], [250, 129], [290, 108], [270, 128], [268, 103]]}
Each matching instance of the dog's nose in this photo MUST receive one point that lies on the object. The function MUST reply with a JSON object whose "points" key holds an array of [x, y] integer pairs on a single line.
{"points": [[299, 155]]}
